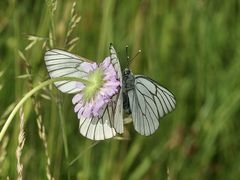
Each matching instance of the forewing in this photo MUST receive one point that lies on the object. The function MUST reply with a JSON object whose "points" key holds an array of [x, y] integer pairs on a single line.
{"points": [[118, 115], [149, 102], [64, 64]]}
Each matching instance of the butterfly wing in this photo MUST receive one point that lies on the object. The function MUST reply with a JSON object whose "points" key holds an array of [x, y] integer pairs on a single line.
{"points": [[64, 64], [149, 102], [110, 120], [118, 117], [100, 127]]}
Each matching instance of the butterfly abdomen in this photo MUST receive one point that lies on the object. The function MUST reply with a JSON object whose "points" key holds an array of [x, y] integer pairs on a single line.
{"points": [[126, 105], [128, 84]]}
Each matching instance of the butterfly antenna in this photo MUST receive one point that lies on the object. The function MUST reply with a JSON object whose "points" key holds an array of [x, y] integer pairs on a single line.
{"points": [[131, 60], [128, 58]]}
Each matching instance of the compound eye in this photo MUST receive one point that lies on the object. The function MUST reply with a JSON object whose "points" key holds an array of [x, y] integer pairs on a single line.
{"points": [[127, 71]]}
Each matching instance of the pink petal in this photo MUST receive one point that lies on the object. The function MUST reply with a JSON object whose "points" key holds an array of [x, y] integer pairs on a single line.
{"points": [[107, 92], [94, 66], [105, 62], [76, 98], [79, 85], [87, 110], [87, 67], [109, 77], [78, 107], [110, 74], [112, 84], [80, 112], [99, 102]]}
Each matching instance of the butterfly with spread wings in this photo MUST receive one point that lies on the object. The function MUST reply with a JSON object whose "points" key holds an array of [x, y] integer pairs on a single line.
{"points": [[138, 95]]}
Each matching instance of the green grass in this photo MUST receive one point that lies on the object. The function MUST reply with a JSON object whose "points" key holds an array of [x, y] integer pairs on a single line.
{"points": [[190, 47]]}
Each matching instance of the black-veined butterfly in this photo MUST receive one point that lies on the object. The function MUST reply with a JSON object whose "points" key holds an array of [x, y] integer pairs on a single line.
{"points": [[139, 96]]}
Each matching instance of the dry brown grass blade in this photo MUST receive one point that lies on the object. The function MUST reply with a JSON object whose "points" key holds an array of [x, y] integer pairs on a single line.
{"points": [[41, 127], [3, 152], [21, 142], [42, 135], [75, 19]]}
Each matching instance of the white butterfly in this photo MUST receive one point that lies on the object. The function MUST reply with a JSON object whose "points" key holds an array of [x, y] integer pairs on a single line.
{"points": [[146, 100], [141, 96]]}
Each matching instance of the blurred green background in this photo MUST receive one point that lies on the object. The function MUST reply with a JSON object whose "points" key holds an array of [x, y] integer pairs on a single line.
{"points": [[192, 47]]}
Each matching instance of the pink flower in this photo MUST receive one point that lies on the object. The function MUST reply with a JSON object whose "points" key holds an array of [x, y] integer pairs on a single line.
{"points": [[95, 95]]}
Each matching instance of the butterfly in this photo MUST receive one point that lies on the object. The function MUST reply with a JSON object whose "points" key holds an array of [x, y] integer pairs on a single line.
{"points": [[139, 96]]}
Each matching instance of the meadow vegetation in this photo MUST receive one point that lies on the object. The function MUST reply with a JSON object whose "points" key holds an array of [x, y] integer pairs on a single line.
{"points": [[192, 47]]}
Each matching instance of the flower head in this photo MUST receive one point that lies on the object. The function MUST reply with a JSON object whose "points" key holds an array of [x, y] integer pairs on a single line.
{"points": [[103, 84]]}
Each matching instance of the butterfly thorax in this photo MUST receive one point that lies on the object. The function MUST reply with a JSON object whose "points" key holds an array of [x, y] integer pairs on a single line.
{"points": [[128, 84]]}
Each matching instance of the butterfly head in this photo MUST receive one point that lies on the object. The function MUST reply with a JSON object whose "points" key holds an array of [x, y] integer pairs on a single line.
{"points": [[128, 77], [127, 72]]}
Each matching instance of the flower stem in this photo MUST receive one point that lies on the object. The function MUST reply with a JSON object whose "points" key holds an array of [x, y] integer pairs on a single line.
{"points": [[29, 94]]}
